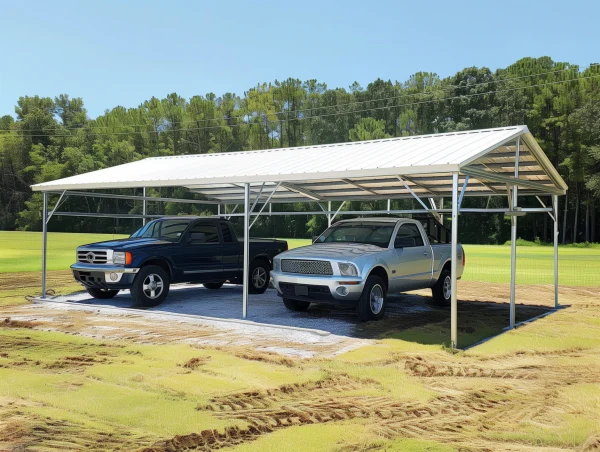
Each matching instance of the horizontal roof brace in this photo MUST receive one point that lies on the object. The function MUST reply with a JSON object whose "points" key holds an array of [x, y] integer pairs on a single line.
{"points": [[345, 212], [522, 164], [134, 197], [369, 197], [487, 175], [506, 154]]}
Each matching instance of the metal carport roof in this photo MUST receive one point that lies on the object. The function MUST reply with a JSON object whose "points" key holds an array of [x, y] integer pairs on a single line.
{"points": [[364, 170]]}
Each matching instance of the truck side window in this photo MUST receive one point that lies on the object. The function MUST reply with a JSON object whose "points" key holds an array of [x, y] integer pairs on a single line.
{"points": [[209, 230], [227, 233], [408, 236]]}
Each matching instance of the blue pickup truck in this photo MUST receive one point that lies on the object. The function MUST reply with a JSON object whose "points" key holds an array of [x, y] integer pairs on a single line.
{"points": [[173, 250]]}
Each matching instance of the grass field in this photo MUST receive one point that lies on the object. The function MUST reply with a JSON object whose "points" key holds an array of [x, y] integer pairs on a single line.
{"points": [[74, 380], [20, 252]]}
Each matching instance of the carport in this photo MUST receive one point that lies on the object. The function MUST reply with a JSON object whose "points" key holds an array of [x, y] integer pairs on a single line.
{"points": [[504, 162]]}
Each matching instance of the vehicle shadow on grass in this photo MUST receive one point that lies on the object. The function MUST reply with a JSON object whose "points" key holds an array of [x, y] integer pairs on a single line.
{"points": [[410, 317]]}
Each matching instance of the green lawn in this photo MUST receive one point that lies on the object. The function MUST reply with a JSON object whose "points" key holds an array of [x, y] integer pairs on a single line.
{"points": [[20, 252]]}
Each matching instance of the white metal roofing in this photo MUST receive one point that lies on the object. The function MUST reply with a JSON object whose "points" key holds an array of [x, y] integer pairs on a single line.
{"points": [[354, 170]]}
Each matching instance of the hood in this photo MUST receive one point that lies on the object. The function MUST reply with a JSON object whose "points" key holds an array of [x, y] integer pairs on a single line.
{"points": [[334, 251], [127, 244]]}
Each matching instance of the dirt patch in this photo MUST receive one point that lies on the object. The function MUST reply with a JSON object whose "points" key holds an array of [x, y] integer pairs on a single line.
{"points": [[268, 398], [10, 323], [194, 363], [76, 362], [259, 355]]}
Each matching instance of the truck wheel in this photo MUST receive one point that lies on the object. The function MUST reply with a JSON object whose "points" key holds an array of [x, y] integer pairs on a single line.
{"points": [[213, 285], [101, 294], [260, 275], [371, 305], [150, 286], [442, 290], [296, 305]]}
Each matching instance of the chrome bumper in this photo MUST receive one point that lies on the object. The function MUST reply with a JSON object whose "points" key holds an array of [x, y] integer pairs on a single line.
{"points": [[112, 273], [354, 291]]}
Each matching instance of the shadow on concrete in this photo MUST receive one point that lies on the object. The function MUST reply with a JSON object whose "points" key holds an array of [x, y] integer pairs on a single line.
{"points": [[410, 317]]}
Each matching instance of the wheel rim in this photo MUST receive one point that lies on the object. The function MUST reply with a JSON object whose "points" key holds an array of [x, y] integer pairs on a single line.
{"points": [[447, 289], [259, 277], [376, 299], [153, 286]]}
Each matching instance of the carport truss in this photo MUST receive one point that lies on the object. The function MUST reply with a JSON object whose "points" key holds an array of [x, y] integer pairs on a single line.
{"points": [[491, 162]]}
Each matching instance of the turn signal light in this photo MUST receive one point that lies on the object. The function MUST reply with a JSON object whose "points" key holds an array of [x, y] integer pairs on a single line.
{"points": [[128, 258], [464, 257]]}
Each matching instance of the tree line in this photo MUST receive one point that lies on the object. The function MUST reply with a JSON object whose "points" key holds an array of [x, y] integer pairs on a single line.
{"points": [[49, 138]]}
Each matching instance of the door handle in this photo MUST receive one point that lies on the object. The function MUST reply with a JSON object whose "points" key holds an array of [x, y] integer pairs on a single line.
{"points": [[425, 253]]}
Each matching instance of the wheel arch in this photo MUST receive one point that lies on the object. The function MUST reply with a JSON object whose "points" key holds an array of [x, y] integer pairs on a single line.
{"points": [[160, 262], [380, 271]]}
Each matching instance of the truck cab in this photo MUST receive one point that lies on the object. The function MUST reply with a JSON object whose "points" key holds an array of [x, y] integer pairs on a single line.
{"points": [[173, 250]]}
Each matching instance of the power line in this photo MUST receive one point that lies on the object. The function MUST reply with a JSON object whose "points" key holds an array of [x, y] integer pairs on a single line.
{"points": [[323, 115], [287, 112]]}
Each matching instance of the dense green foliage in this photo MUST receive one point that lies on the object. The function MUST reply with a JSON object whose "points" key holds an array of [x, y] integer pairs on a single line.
{"points": [[53, 138]]}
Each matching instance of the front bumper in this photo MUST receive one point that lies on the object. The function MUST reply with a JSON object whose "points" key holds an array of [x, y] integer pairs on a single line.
{"points": [[104, 276], [317, 287]]}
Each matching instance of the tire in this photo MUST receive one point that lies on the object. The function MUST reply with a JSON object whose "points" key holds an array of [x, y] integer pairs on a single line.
{"points": [[260, 274], [442, 290], [144, 293], [213, 285], [373, 300], [102, 294], [296, 305]]}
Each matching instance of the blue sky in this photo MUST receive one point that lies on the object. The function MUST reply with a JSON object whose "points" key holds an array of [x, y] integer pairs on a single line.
{"points": [[123, 52]]}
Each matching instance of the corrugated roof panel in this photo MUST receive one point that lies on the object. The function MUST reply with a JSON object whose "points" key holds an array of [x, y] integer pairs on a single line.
{"points": [[433, 156]]}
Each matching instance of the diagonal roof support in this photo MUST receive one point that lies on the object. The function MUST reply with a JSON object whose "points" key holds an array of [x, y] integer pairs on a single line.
{"points": [[265, 204], [497, 177], [463, 191], [303, 191], [262, 187], [412, 181], [363, 188], [436, 214], [413, 193]]}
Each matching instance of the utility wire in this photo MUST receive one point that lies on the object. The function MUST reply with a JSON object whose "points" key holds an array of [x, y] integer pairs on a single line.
{"points": [[282, 112], [243, 124]]}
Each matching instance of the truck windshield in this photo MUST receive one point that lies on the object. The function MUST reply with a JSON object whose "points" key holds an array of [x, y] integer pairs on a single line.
{"points": [[169, 230], [369, 233]]}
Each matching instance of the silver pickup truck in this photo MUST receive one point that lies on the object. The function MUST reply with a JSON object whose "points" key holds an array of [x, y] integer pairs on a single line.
{"points": [[360, 261]]}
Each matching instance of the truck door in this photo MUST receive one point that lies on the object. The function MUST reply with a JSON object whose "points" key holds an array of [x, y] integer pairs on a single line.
{"points": [[202, 253], [412, 269], [232, 252]]}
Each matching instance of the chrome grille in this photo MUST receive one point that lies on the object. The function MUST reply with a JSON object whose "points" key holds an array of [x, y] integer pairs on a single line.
{"points": [[306, 267], [92, 257]]}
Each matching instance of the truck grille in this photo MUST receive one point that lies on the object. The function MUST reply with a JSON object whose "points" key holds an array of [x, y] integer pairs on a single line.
{"points": [[306, 267], [92, 257]]}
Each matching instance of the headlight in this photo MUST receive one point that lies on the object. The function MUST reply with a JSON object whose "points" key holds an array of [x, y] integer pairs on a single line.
{"points": [[122, 258], [348, 269]]}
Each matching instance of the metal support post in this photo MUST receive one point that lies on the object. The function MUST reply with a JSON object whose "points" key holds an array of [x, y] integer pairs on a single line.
{"points": [[453, 258], [513, 242], [44, 241], [329, 215], [144, 206], [246, 249], [555, 204]]}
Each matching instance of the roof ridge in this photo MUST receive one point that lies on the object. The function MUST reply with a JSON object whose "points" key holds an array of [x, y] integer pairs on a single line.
{"points": [[312, 146]]}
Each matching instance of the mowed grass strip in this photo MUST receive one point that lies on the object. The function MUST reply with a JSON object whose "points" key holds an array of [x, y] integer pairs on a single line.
{"points": [[21, 252]]}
